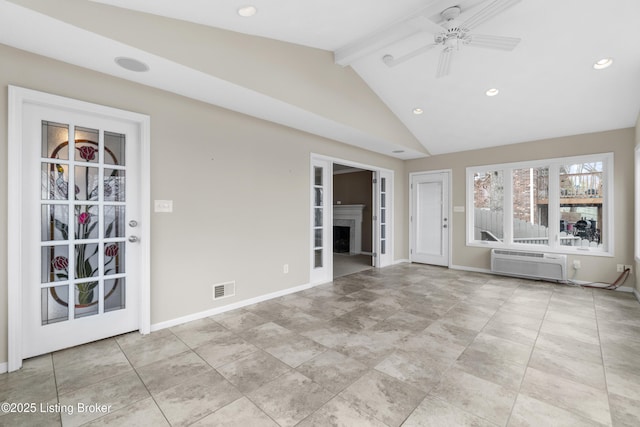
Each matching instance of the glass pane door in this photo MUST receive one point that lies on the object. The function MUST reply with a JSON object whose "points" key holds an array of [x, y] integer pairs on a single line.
{"points": [[320, 220], [83, 180], [383, 216], [318, 217]]}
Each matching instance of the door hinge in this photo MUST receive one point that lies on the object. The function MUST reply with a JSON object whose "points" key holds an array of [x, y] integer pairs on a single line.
{"points": [[375, 218], [412, 186], [375, 255], [411, 251], [375, 181]]}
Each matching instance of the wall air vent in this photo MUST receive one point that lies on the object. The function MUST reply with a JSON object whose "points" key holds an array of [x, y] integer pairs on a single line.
{"points": [[224, 290], [532, 265]]}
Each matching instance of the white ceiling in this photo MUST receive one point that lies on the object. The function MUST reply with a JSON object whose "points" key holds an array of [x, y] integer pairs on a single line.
{"points": [[547, 85]]}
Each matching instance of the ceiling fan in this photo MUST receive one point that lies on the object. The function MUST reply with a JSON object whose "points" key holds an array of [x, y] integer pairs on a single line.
{"points": [[456, 31]]}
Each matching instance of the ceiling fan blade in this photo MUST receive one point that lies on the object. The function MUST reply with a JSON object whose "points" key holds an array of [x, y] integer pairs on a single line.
{"points": [[493, 9], [493, 42], [444, 63], [392, 62]]}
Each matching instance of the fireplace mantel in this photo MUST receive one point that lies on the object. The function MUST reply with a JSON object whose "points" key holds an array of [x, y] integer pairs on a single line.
{"points": [[350, 216]]}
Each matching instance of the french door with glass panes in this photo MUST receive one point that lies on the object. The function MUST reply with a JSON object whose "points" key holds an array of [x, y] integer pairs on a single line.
{"points": [[81, 251], [383, 229]]}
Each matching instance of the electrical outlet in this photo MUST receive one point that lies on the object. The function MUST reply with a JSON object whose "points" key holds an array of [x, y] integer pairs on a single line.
{"points": [[577, 264], [285, 268], [630, 268], [619, 268]]}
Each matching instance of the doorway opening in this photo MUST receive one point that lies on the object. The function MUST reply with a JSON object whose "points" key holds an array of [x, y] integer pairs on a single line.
{"points": [[370, 243], [352, 219]]}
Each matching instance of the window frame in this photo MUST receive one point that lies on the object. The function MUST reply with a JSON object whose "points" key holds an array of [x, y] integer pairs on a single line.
{"points": [[553, 164]]}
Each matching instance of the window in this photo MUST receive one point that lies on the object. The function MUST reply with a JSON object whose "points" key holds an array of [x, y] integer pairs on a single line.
{"points": [[560, 205]]}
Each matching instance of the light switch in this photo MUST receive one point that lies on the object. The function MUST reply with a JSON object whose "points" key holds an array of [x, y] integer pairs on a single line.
{"points": [[163, 205]]}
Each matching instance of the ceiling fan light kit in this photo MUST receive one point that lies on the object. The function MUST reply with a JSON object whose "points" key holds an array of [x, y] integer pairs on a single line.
{"points": [[455, 33]]}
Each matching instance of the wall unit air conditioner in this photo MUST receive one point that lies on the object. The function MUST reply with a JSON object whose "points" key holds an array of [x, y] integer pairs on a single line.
{"points": [[533, 265]]}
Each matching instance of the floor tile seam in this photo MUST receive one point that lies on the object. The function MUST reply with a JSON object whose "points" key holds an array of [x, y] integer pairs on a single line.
{"points": [[97, 381], [504, 360], [55, 383], [519, 390], [393, 379], [138, 352], [280, 376], [570, 410], [231, 403], [459, 408], [259, 346], [346, 386], [12, 385], [88, 360], [567, 356], [183, 379], [143, 384], [604, 371]]}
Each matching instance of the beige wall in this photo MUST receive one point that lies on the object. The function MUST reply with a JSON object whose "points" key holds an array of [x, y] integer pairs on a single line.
{"points": [[594, 268], [240, 188], [355, 189]]}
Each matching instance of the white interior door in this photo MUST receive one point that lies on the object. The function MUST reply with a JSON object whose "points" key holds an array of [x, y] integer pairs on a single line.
{"points": [[82, 261], [430, 225]]}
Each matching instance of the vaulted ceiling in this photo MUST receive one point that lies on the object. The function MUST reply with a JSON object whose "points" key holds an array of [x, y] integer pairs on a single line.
{"points": [[547, 84]]}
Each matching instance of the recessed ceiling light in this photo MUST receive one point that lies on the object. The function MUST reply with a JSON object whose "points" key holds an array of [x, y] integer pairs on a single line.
{"points": [[603, 63], [247, 11], [418, 111], [492, 92], [131, 64]]}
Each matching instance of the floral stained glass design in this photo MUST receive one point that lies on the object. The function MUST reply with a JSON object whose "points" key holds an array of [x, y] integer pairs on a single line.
{"points": [[82, 227]]}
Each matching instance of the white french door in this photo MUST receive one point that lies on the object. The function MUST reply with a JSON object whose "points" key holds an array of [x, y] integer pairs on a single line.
{"points": [[430, 224], [321, 221], [383, 228], [84, 229]]}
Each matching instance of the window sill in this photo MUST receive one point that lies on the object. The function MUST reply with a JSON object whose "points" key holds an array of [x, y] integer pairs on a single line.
{"points": [[539, 248]]}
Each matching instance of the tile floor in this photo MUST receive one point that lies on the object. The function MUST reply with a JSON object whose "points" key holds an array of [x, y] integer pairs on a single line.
{"points": [[407, 345]]}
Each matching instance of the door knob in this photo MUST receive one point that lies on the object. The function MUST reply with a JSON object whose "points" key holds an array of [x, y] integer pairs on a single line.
{"points": [[133, 223], [133, 239], [444, 226]]}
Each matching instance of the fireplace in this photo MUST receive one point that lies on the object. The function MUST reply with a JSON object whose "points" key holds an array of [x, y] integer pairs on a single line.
{"points": [[341, 239], [350, 217]]}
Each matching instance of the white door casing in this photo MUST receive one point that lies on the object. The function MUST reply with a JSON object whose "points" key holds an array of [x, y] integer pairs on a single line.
{"points": [[52, 235], [321, 216], [430, 218]]}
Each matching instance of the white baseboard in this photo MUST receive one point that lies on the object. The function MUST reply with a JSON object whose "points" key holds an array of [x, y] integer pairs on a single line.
{"points": [[637, 294], [400, 261], [3, 367], [229, 307]]}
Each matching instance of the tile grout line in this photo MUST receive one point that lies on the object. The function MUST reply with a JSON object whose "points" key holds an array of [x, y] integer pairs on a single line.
{"points": [[530, 356], [142, 382], [604, 370]]}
